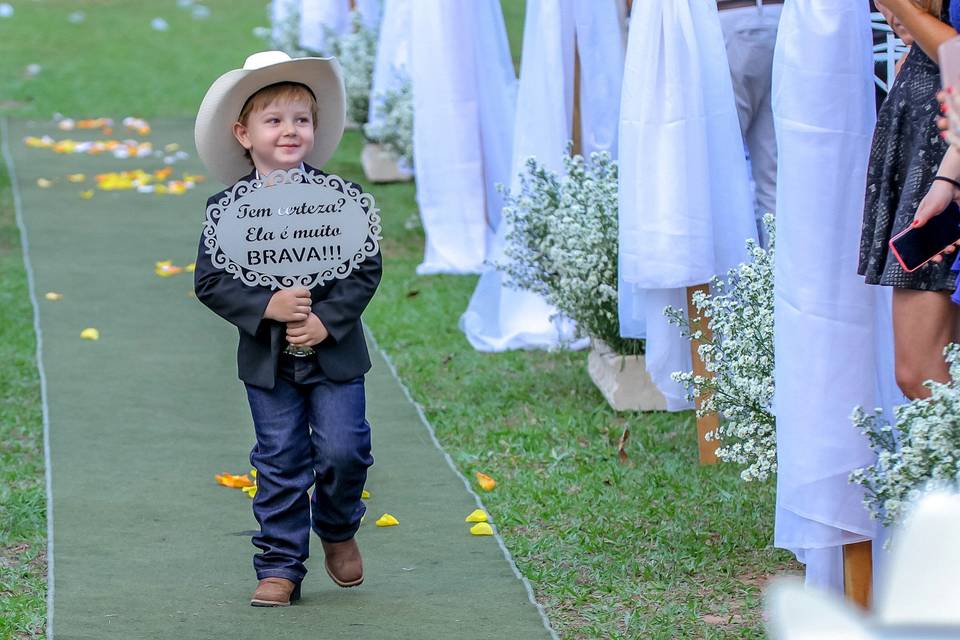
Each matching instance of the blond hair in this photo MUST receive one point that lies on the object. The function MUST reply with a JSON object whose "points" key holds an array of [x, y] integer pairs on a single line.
{"points": [[933, 7], [281, 92]]}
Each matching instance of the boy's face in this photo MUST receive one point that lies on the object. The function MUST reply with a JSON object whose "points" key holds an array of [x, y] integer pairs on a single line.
{"points": [[278, 137]]}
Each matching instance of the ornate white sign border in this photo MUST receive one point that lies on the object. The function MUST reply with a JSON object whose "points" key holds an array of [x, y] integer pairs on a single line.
{"points": [[280, 176]]}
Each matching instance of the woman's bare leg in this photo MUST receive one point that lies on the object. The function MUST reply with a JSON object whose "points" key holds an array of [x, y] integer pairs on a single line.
{"points": [[924, 323]]}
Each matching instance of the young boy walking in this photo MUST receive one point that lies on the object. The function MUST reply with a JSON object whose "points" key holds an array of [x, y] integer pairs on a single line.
{"points": [[308, 411]]}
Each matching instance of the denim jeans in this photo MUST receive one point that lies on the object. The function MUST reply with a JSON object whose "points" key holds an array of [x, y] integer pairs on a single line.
{"points": [[307, 435]]}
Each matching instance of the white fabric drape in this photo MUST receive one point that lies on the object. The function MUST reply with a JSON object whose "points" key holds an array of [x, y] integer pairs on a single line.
{"points": [[685, 205], [498, 317], [464, 95], [601, 30], [833, 338], [282, 11], [370, 11], [393, 54], [317, 14]]}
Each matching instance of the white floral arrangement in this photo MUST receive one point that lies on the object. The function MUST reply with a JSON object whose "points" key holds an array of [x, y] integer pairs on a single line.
{"points": [[357, 51], [394, 111], [919, 454], [739, 313], [562, 243]]}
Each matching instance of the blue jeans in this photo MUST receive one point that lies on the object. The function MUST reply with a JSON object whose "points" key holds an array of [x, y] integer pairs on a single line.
{"points": [[307, 435]]}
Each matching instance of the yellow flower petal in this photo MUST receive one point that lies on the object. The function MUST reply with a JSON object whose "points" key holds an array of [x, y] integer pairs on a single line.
{"points": [[38, 143], [43, 183], [170, 148], [478, 515], [253, 472], [250, 491], [53, 295], [86, 195], [76, 177], [481, 529], [365, 495], [387, 520], [190, 268], [486, 482], [90, 334], [166, 268]]}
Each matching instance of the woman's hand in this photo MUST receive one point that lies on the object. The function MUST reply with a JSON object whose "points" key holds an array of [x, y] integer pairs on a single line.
{"points": [[940, 195]]}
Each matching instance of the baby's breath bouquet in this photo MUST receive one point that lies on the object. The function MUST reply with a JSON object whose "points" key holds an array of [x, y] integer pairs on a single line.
{"points": [[395, 127], [357, 51], [920, 453], [562, 243], [739, 313]]}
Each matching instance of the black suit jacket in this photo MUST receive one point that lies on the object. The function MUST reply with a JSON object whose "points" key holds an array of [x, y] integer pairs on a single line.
{"points": [[338, 303]]}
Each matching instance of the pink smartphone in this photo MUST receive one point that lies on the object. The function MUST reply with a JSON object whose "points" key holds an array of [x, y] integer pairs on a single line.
{"points": [[916, 246]]}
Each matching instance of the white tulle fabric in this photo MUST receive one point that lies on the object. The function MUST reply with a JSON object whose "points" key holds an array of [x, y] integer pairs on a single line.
{"points": [[833, 332], [685, 205], [370, 11], [317, 14], [464, 96], [500, 318], [393, 54], [280, 12]]}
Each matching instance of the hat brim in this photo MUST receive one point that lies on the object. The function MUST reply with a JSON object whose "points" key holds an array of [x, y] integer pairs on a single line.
{"points": [[219, 149]]}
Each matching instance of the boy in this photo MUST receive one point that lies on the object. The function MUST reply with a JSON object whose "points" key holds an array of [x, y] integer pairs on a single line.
{"points": [[308, 411]]}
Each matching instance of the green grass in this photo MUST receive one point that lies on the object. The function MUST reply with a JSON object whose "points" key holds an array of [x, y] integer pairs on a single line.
{"points": [[23, 522], [654, 547]]}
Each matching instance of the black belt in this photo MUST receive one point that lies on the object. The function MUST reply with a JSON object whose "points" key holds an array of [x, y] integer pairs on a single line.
{"points": [[723, 5]]}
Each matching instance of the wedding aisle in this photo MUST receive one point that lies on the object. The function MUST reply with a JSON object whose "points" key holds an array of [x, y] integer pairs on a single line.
{"points": [[144, 543]]}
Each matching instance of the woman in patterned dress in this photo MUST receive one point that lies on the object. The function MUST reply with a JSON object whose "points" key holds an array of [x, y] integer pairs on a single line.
{"points": [[904, 159]]}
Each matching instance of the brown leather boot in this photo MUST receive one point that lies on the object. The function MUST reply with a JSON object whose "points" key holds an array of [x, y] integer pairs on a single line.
{"points": [[275, 592], [343, 562]]}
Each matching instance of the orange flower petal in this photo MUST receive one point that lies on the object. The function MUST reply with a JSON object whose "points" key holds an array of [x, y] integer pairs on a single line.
{"points": [[486, 482], [233, 481]]}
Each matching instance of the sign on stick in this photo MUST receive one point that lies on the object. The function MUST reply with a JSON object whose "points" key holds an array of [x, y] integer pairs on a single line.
{"points": [[292, 229]]}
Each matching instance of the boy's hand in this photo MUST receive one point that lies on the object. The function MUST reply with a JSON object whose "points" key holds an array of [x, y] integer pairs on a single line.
{"points": [[289, 305], [307, 333]]}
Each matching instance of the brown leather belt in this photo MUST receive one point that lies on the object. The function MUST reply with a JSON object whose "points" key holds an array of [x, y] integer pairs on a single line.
{"points": [[723, 5]]}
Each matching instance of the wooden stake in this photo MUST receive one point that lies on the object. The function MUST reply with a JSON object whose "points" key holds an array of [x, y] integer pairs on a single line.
{"points": [[858, 572], [577, 127], [709, 422]]}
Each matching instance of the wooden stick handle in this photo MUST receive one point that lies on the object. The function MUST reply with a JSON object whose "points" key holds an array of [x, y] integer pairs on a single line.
{"points": [[709, 422], [858, 572], [576, 126]]}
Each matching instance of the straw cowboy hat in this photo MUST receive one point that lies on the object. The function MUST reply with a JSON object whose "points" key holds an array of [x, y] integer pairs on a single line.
{"points": [[213, 132]]}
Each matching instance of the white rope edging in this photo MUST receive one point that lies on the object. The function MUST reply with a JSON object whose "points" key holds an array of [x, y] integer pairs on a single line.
{"points": [[48, 472], [466, 483]]}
